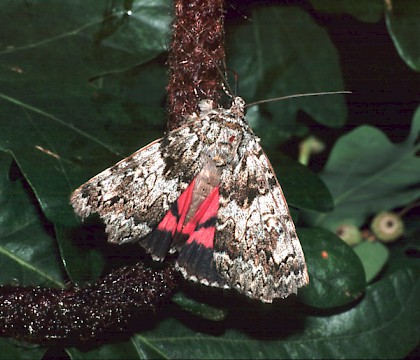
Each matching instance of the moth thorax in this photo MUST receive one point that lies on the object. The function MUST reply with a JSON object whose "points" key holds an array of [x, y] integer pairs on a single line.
{"points": [[223, 153]]}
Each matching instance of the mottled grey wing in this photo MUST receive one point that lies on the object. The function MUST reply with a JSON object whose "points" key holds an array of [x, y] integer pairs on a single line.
{"points": [[133, 195], [257, 249]]}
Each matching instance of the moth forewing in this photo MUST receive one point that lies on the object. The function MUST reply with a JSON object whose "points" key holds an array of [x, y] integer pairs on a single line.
{"points": [[87, 198], [256, 247], [133, 196], [296, 250]]}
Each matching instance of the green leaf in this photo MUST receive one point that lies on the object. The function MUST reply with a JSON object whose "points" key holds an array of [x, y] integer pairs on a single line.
{"points": [[270, 55], [121, 351], [302, 188], [384, 324], [403, 22], [374, 256], [405, 253], [28, 252], [124, 30], [61, 127], [366, 173], [81, 255], [12, 349], [370, 11], [336, 275], [199, 309]]}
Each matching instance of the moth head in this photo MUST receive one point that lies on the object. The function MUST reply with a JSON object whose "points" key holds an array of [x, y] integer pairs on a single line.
{"points": [[205, 107], [238, 106]]}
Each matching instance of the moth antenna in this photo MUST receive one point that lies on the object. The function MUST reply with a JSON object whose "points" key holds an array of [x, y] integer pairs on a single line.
{"points": [[298, 96], [235, 8], [226, 87]]}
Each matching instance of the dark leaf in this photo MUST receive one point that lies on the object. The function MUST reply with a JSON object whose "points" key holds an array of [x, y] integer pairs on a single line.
{"points": [[28, 252], [384, 324], [59, 124], [373, 256], [403, 22], [270, 55], [336, 275], [367, 10], [302, 187], [199, 309]]}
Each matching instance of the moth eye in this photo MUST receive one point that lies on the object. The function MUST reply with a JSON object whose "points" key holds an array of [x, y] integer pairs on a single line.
{"points": [[232, 138]]}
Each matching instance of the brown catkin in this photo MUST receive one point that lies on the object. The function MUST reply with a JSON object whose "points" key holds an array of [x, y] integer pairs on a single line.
{"points": [[75, 314], [196, 57]]}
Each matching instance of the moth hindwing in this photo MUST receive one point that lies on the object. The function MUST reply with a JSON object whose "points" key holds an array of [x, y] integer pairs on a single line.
{"points": [[208, 192]]}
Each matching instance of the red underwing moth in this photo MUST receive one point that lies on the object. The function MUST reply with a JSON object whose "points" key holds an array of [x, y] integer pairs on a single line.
{"points": [[206, 191]]}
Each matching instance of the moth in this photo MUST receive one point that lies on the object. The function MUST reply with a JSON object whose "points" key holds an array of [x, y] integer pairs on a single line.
{"points": [[207, 192]]}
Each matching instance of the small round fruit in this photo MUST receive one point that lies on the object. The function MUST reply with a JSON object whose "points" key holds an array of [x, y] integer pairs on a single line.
{"points": [[387, 226]]}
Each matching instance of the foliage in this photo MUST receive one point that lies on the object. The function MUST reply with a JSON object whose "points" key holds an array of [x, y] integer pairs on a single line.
{"points": [[82, 85]]}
